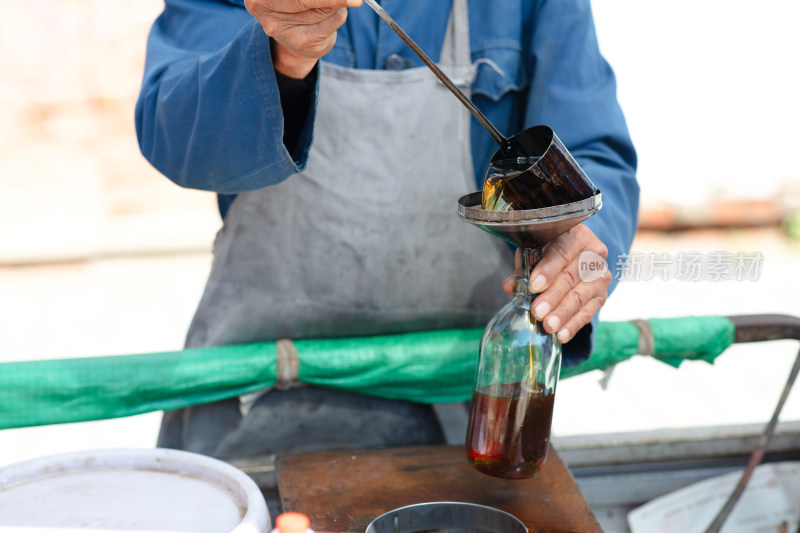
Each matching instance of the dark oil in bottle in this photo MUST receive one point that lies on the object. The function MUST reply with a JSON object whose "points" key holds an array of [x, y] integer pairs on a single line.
{"points": [[509, 434]]}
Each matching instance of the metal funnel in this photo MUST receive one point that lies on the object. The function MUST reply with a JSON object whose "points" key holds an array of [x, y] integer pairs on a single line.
{"points": [[531, 228]]}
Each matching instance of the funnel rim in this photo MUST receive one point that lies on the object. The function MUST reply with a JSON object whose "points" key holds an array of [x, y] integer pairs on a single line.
{"points": [[488, 217]]}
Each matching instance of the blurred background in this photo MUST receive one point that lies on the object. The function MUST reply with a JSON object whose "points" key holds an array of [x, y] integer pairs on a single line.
{"points": [[101, 255]]}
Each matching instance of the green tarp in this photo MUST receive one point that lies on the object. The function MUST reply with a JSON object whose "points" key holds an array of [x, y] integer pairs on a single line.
{"points": [[428, 367], [676, 339]]}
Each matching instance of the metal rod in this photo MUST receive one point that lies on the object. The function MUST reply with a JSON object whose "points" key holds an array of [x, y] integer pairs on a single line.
{"points": [[790, 324], [501, 140]]}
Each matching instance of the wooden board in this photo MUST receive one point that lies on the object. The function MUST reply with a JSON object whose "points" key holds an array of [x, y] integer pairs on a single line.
{"points": [[343, 491]]}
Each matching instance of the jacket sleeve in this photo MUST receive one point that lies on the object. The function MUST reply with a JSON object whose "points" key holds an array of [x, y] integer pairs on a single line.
{"points": [[209, 113], [574, 91]]}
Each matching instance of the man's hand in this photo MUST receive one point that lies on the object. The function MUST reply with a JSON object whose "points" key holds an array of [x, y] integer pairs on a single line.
{"points": [[302, 31], [566, 303]]}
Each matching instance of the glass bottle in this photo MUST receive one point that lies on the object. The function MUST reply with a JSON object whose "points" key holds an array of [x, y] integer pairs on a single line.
{"points": [[514, 389]]}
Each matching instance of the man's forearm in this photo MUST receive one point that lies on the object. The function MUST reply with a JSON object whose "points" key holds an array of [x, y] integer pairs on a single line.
{"points": [[214, 121]]}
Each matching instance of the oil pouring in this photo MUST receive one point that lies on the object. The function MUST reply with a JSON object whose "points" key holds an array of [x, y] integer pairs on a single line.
{"points": [[532, 201]]}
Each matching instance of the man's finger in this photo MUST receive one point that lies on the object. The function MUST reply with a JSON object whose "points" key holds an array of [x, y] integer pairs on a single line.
{"points": [[296, 6], [573, 303], [567, 331], [565, 281], [510, 283], [307, 22], [558, 255]]}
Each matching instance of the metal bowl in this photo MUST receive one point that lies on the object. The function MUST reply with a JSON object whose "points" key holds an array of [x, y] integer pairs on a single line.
{"points": [[446, 517]]}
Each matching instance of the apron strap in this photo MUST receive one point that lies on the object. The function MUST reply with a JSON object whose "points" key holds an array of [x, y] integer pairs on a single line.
{"points": [[456, 58]]}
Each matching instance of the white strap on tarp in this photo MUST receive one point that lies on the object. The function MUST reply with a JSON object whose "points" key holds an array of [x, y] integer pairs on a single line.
{"points": [[647, 341], [287, 372]]}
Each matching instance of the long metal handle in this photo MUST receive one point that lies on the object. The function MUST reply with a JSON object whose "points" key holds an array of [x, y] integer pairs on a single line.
{"points": [[756, 328], [439, 74]]}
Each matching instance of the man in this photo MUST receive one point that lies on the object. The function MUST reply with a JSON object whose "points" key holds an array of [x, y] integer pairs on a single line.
{"points": [[338, 161]]}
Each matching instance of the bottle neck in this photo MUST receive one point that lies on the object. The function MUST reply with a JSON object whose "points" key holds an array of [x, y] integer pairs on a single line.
{"points": [[528, 259]]}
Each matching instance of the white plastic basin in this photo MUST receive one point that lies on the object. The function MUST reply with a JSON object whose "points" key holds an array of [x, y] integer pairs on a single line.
{"points": [[130, 490]]}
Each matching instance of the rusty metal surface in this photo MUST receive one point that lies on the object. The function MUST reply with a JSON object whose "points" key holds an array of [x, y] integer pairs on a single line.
{"points": [[343, 491], [759, 328]]}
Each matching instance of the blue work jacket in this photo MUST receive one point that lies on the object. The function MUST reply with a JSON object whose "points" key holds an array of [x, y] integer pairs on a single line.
{"points": [[209, 115]]}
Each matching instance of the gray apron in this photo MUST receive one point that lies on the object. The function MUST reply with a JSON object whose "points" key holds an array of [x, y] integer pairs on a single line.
{"points": [[365, 241]]}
